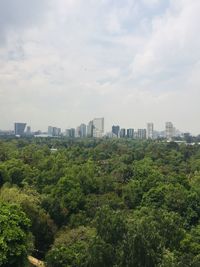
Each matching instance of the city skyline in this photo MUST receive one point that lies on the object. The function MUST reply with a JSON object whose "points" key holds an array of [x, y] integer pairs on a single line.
{"points": [[56, 127], [134, 61], [96, 128]]}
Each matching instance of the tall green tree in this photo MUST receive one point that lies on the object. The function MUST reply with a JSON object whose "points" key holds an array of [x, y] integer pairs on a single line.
{"points": [[14, 236]]}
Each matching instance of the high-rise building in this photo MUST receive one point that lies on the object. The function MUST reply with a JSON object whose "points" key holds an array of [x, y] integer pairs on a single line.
{"points": [[90, 129], [77, 132], [130, 133], [115, 130], [54, 131], [98, 127], [19, 128], [122, 133], [28, 130], [142, 134], [70, 133], [82, 130], [169, 130], [150, 130], [50, 130]]}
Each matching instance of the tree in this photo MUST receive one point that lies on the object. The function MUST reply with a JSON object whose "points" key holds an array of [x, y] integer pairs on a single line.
{"points": [[71, 248], [14, 236], [150, 233], [42, 227]]}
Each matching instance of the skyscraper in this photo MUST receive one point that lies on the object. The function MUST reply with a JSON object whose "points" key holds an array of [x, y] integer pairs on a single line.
{"points": [[115, 130], [54, 131], [70, 133], [142, 134], [83, 130], [169, 130], [19, 128], [90, 129], [98, 127], [150, 130], [130, 133], [122, 133], [28, 130]]}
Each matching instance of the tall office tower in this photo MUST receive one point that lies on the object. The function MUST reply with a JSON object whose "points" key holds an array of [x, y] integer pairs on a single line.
{"points": [[90, 129], [19, 128], [122, 133], [54, 131], [57, 131], [130, 133], [82, 129], [77, 132], [142, 134], [169, 130], [115, 130], [50, 130], [98, 127], [28, 130], [70, 133], [67, 133], [150, 130]]}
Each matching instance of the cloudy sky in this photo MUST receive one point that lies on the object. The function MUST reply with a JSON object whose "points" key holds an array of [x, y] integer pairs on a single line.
{"points": [[63, 62]]}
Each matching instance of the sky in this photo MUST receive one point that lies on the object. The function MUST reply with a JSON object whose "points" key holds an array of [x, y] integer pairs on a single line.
{"points": [[65, 62]]}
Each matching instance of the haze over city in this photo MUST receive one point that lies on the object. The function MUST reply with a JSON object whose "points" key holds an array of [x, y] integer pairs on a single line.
{"points": [[63, 62]]}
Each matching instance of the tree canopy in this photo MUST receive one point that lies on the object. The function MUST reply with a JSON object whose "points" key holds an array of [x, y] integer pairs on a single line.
{"points": [[99, 203]]}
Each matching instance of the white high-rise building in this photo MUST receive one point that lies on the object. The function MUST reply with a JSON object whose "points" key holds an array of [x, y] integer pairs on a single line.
{"points": [[169, 130], [150, 130], [98, 127]]}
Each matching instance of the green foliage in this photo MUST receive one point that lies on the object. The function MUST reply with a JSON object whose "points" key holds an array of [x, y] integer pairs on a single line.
{"points": [[14, 236], [149, 233], [101, 202], [110, 225], [42, 226], [71, 248]]}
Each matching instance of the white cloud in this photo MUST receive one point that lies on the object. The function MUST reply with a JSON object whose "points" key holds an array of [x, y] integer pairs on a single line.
{"points": [[129, 61]]}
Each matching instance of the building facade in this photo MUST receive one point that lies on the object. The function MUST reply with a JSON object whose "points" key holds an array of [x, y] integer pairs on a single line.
{"points": [[70, 133], [169, 130], [19, 128], [150, 130], [122, 133], [90, 129], [130, 133], [98, 127], [142, 134], [115, 130], [83, 130], [54, 131]]}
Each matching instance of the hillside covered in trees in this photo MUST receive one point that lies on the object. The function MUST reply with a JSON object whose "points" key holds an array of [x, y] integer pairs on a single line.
{"points": [[99, 203]]}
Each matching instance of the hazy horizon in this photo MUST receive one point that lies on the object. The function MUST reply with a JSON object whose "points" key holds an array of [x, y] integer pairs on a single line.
{"points": [[64, 62]]}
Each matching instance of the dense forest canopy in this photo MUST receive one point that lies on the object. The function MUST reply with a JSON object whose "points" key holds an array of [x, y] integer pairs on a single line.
{"points": [[99, 203]]}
